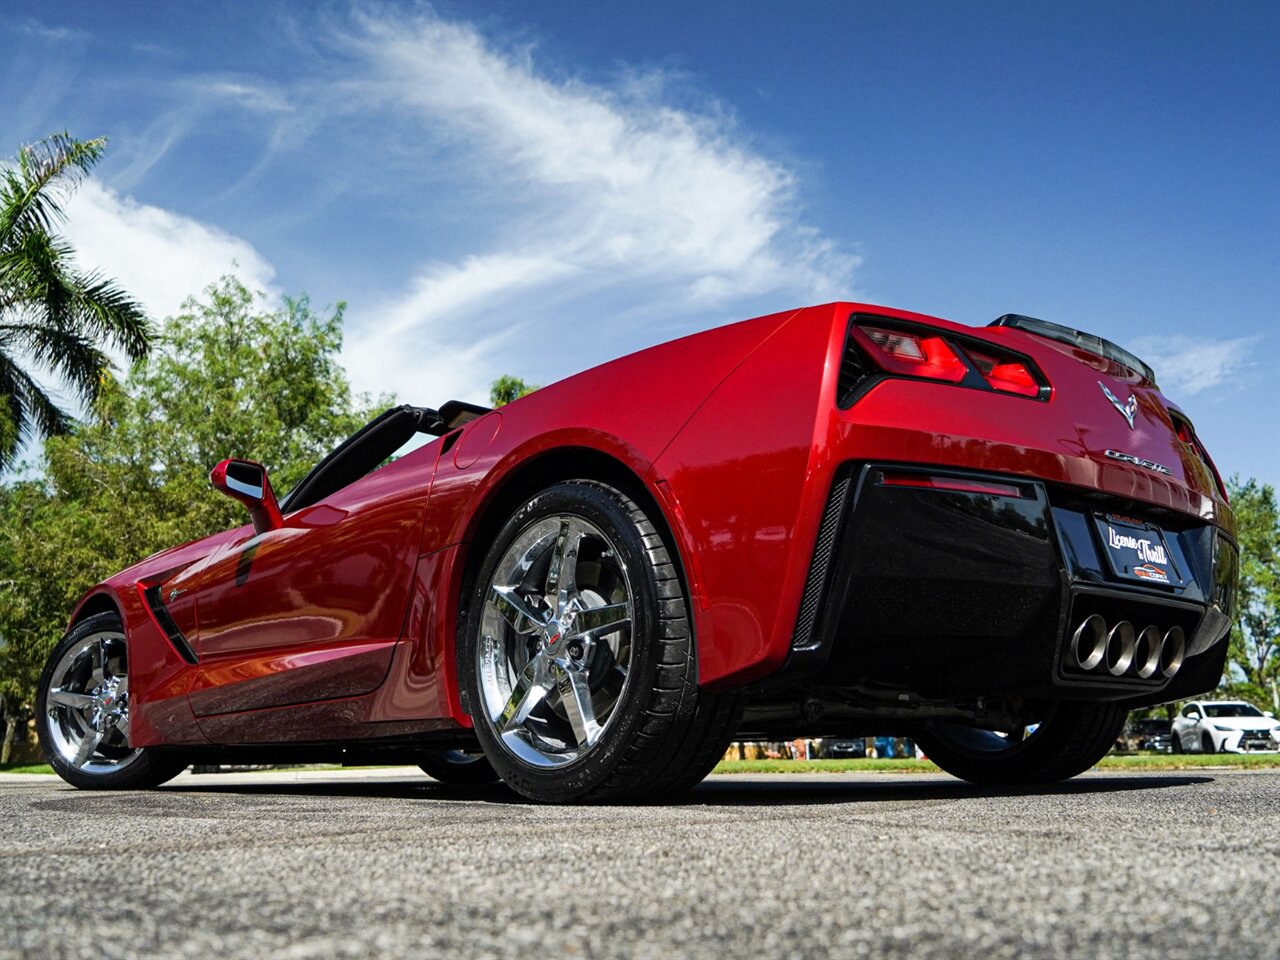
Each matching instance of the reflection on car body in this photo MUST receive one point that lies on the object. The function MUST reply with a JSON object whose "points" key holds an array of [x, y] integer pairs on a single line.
{"points": [[836, 522]]}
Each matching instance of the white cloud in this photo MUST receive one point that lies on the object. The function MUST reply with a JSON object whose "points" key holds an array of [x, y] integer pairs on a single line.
{"points": [[600, 216], [251, 95], [34, 28], [416, 344], [613, 207], [1186, 365], [159, 256]]}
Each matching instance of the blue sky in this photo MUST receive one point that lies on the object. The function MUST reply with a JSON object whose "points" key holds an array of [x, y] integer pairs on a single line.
{"points": [[536, 187]]}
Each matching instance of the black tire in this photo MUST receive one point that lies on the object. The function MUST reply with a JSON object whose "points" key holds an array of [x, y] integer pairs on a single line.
{"points": [[1206, 743], [708, 736], [662, 734], [111, 763], [458, 768], [1175, 742], [1070, 739]]}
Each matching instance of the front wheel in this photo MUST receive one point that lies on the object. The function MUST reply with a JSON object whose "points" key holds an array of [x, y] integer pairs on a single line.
{"points": [[577, 657], [1069, 739], [82, 712]]}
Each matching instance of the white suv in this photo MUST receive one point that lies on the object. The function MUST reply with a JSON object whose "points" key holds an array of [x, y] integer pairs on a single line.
{"points": [[1224, 726]]}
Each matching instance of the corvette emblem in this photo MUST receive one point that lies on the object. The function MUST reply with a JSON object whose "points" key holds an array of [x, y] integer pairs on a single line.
{"points": [[1127, 410], [1139, 462]]}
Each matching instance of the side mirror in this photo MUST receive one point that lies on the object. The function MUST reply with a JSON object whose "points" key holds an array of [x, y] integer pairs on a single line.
{"points": [[247, 482], [1193, 715]]}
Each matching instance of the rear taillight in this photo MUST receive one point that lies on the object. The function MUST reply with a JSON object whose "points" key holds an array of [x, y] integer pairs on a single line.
{"points": [[906, 350], [915, 354], [1187, 434], [1005, 374]]}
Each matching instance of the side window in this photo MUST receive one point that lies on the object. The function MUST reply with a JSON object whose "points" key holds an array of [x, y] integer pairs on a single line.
{"points": [[1188, 710]]}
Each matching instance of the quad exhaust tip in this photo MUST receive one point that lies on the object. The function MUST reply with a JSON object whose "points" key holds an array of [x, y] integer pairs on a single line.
{"points": [[1121, 643], [1122, 649], [1090, 642], [1147, 656], [1172, 651]]}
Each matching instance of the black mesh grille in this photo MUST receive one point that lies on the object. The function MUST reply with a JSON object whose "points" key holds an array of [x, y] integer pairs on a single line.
{"points": [[815, 585]]}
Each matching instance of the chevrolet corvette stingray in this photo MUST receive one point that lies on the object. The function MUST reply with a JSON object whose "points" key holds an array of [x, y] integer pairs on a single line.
{"points": [[838, 521]]}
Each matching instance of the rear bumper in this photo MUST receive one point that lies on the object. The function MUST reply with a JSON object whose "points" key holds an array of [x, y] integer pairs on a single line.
{"points": [[970, 593]]}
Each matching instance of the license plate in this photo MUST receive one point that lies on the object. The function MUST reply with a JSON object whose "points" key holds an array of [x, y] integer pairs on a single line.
{"points": [[1136, 550]]}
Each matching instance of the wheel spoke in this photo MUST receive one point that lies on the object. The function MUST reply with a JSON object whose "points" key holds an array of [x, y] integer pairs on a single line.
{"points": [[122, 724], [528, 692], [516, 610], [575, 694], [71, 699], [99, 660], [87, 746], [562, 575], [593, 623]]}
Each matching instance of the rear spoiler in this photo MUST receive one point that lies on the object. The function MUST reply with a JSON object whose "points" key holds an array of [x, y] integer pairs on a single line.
{"points": [[1077, 338]]}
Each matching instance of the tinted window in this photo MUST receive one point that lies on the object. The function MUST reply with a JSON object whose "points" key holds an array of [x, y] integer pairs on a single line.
{"points": [[1232, 710]]}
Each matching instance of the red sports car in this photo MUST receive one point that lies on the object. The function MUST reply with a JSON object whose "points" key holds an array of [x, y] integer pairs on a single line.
{"points": [[835, 521]]}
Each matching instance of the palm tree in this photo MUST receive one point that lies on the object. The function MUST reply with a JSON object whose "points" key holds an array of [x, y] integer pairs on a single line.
{"points": [[53, 316]]}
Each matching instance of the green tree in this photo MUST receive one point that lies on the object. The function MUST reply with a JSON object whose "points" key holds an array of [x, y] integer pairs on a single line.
{"points": [[507, 388], [228, 377], [53, 315], [1254, 668]]}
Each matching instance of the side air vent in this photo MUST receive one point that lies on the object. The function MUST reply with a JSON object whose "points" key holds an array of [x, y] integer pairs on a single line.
{"points": [[819, 570], [854, 371], [161, 613]]}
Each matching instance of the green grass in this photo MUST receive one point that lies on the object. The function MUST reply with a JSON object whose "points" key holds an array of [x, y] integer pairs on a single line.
{"points": [[26, 768], [1138, 761], [857, 764]]}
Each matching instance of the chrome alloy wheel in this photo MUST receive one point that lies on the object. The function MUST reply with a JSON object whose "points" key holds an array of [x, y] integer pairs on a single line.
{"points": [[555, 649], [978, 741], [88, 705]]}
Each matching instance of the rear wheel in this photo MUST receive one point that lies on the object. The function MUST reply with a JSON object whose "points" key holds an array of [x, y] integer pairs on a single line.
{"points": [[1175, 742], [82, 712], [1069, 739], [460, 767], [577, 656]]}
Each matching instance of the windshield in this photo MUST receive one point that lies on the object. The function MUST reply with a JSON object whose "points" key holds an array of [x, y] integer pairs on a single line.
{"points": [[1231, 710]]}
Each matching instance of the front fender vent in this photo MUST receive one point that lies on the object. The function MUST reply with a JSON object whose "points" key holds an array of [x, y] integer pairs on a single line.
{"points": [[161, 613]]}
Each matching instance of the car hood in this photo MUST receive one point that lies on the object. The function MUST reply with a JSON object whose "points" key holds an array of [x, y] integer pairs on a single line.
{"points": [[1244, 723], [161, 565]]}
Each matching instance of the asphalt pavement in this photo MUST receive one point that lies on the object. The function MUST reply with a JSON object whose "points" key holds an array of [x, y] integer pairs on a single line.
{"points": [[389, 863]]}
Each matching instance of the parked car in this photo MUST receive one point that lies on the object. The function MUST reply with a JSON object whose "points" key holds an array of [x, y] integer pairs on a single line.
{"points": [[1149, 733], [1224, 726], [830, 522], [842, 749]]}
